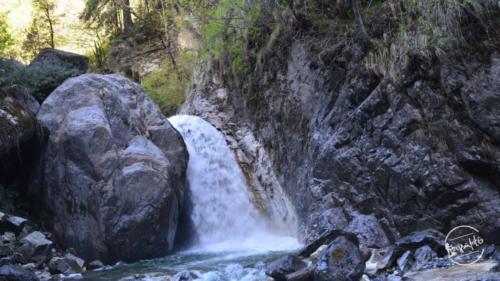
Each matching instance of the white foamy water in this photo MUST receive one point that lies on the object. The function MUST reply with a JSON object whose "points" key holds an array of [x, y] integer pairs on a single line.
{"points": [[223, 214]]}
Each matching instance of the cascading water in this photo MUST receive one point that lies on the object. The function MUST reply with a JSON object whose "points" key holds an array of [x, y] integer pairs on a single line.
{"points": [[222, 212], [235, 240]]}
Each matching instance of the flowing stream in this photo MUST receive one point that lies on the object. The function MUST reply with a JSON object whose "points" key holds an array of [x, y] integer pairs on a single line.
{"points": [[233, 239]]}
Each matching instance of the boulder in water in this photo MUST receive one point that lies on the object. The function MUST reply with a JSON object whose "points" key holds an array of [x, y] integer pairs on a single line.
{"points": [[279, 268], [111, 178], [16, 273]]}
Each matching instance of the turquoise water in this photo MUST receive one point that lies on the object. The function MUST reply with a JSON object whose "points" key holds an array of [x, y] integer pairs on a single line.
{"points": [[221, 266]]}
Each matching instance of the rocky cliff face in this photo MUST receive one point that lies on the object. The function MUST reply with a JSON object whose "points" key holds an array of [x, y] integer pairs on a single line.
{"points": [[379, 154], [111, 179]]}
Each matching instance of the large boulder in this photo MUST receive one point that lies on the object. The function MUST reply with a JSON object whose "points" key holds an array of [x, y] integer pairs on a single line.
{"points": [[16, 273], [111, 179]]}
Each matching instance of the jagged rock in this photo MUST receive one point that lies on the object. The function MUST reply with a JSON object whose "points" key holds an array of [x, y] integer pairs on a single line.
{"points": [[368, 230], [406, 261], [432, 238], [119, 160], [35, 247], [380, 259], [64, 265], [10, 223], [80, 262], [95, 264], [341, 261], [324, 239], [279, 268], [424, 255], [16, 273]]}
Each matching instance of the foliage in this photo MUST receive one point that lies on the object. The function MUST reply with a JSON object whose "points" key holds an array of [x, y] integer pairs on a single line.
{"points": [[37, 78], [5, 37], [167, 86], [40, 33]]}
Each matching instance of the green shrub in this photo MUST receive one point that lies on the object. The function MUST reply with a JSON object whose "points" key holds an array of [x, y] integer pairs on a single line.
{"points": [[40, 79], [167, 86]]}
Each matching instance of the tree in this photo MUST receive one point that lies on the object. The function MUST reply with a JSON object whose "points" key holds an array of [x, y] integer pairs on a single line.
{"points": [[46, 8], [5, 38], [106, 14]]}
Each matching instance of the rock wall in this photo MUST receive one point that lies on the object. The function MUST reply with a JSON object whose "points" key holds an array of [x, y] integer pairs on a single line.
{"points": [[351, 148]]}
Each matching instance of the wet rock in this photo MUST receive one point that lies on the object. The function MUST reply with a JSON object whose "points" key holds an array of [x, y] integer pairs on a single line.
{"points": [[10, 223], [317, 254], [341, 261], [95, 264], [64, 265], [183, 276], [279, 268], [111, 179], [432, 238], [35, 247], [380, 259], [16, 273], [324, 239], [406, 261], [424, 255], [304, 274]]}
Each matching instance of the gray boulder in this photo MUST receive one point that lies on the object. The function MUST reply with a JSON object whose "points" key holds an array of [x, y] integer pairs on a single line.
{"points": [[35, 247], [341, 261], [279, 268], [111, 179], [16, 273], [64, 265]]}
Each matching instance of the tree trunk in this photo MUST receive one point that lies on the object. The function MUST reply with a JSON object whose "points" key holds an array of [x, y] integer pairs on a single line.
{"points": [[127, 17]]}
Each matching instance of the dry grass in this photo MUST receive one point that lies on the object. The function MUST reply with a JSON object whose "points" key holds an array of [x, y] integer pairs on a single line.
{"points": [[425, 28]]}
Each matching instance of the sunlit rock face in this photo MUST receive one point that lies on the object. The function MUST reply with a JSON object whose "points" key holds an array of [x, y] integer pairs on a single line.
{"points": [[111, 179], [349, 148]]}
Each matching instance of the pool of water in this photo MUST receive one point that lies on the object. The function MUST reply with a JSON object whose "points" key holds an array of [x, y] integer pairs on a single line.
{"points": [[215, 266]]}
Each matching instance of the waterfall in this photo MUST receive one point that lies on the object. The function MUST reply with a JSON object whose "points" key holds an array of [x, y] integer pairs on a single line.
{"points": [[222, 212]]}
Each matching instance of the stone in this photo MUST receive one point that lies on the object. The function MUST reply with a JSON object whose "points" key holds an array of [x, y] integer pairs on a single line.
{"points": [[35, 247], [5, 251], [304, 274], [64, 266], [432, 238], [326, 238], [8, 237], [80, 262], [341, 261], [16, 273], [368, 230], [406, 261], [183, 276], [424, 255], [10, 223], [380, 259], [111, 179], [95, 264], [316, 255], [279, 268]]}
